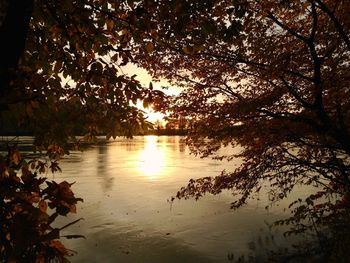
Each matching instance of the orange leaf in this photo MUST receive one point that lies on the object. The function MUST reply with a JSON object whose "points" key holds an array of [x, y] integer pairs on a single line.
{"points": [[43, 206], [150, 47]]}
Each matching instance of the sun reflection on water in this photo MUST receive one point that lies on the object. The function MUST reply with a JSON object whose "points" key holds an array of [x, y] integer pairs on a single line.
{"points": [[152, 159]]}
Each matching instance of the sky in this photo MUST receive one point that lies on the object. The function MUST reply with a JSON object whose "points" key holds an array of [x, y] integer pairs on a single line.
{"points": [[145, 78]]}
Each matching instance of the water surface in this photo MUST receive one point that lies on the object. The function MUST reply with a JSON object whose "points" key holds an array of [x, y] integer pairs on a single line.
{"points": [[126, 185]]}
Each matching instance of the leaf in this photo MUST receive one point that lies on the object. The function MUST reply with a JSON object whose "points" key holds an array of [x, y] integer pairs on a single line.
{"points": [[198, 48], [53, 234], [60, 247], [110, 25], [15, 157], [187, 50], [115, 57], [43, 206], [149, 47], [145, 103], [73, 209], [309, 201]]}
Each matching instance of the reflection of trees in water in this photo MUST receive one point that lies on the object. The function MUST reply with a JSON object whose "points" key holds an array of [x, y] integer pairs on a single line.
{"points": [[156, 148], [171, 143], [174, 142], [170, 139], [182, 145], [129, 146], [159, 140], [102, 163]]}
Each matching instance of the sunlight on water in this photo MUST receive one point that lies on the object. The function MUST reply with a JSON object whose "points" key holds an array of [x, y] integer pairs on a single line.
{"points": [[152, 159], [126, 185]]}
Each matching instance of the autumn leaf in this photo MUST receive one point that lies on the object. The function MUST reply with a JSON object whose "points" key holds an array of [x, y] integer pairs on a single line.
{"points": [[188, 50], [110, 24], [15, 156], [73, 209], [149, 47], [56, 244], [43, 206]]}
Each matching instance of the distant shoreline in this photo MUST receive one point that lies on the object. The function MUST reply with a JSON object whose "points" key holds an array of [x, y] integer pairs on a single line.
{"points": [[168, 132]]}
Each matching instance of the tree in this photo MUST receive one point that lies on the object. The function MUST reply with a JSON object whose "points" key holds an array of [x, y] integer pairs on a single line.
{"points": [[60, 74], [178, 122], [73, 53], [29, 206], [270, 76]]}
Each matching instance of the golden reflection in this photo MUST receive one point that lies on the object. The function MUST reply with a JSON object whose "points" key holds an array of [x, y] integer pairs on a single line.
{"points": [[152, 160]]}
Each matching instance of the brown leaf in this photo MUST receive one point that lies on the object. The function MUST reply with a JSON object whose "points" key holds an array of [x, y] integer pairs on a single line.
{"points": [[149, 47], [43, 206]]}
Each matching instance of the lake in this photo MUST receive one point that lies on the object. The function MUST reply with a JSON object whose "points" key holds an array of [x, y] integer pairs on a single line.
{"points": [[125, 185]]}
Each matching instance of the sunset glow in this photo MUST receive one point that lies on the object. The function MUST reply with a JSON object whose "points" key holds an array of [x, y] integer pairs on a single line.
{"points": [[152, 159], [152, 116]]}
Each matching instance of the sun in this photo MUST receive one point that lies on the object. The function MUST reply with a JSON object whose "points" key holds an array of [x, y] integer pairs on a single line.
{"points": [[152, 116]]}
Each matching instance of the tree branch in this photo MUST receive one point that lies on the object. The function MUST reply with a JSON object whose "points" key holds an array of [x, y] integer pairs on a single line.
{"points": [[336, 22], [285, 27]]}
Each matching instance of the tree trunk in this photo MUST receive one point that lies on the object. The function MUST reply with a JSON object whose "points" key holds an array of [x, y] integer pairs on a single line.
{"points": [[14, 26]]}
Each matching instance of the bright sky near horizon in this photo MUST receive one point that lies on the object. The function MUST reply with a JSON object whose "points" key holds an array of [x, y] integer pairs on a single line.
{"points": [[145, 78]]}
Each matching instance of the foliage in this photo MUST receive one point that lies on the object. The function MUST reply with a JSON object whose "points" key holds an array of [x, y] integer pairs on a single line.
{"points": [[269, 76], [60, 75], [29, 206], [176, 123], [72, 62]]}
